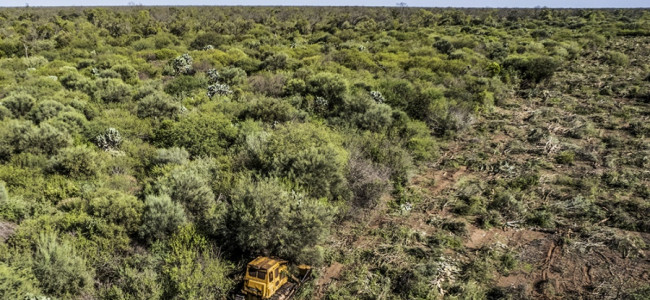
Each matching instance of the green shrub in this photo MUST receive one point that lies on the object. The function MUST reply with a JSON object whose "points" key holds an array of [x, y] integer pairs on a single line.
{"points": [[295, 86], [330, 86], [127, 73], [419, 141], [269, 110], [542, 218], [161, 217], [59, 269], [616, 58], [565, 157], [398, 93], [367, 114], [70, 121], [79, 161], [292, 222], [13, 209], [158, 105], [19, 103], [427, 104], [47, 140], [534, 69], [5, 113], [190, 186], [182, 85], [137, 280], [113, 90], [17, 282], [45, 110], [13, 137], [524, 181], [310, 156], [207, 39], [277, 61], [192, 269], [173, 155], [200, 134], [109, 74], [233, 76], [77, 82], [509, 206], [117, 208], [444, 46]]}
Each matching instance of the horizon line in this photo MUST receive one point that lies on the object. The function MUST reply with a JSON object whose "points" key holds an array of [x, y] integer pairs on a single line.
{"points": [[368, 6]]}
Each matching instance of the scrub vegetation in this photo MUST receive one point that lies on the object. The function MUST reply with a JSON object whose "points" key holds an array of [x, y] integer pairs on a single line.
{"points": [[405, 153]]}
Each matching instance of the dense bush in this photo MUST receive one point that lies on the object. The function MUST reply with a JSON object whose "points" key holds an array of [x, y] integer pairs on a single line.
{"points": [[59, 269], [17, 283], [192, 269], [190, 186], [47, 140], [309, 156], [291, 222], [113, 90], [45, 110], [171, 156], [79, 161], [269, 110], [161, 217], [329, 86], [158, 105], [19, 103], [150, 153], [207, 39], [200, 134], [118, 208], [233, 76], [533, 69], [182, 85]]}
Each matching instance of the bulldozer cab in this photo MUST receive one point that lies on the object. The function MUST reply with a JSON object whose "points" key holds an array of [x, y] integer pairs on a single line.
{"points": [[264, 277]]}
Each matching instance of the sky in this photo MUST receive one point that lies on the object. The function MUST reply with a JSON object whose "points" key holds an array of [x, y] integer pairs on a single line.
{"points": [[413, 3]]}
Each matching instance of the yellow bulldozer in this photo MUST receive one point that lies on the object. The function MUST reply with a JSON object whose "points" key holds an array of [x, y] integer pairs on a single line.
{"points": [[269, 278]]}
